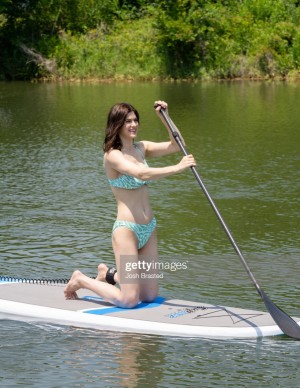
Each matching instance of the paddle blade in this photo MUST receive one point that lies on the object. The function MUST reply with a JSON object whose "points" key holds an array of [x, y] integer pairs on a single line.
{"points": [[283, 320]]}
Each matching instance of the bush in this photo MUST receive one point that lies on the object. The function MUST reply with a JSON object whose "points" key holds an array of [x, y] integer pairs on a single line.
{"points": [[127, 51]]}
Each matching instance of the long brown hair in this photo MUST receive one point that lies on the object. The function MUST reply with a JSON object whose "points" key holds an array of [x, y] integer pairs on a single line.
{"points": [[115, 121]]}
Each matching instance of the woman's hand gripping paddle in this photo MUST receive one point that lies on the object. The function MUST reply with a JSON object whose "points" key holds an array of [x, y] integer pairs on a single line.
{"points": [[283, 320]]}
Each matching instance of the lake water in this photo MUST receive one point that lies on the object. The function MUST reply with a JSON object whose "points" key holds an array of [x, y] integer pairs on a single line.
{"points": [[57, 212]]}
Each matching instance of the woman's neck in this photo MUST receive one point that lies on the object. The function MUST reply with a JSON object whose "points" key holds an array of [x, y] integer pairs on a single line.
{"points": [[127, 146]]}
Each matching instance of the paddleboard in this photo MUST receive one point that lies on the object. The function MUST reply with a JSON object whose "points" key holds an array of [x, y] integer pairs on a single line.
{"points": [[45, 303]]}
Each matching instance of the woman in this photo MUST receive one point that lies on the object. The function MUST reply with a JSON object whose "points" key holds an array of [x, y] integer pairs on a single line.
{"points": [[134, 231]]}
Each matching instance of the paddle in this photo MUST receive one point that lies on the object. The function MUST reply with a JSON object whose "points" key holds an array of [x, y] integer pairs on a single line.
{"points": [[283, 320]]}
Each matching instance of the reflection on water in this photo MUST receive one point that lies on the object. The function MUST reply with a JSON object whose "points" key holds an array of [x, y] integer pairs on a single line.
{"points": [[85, 357], [57, 212]]}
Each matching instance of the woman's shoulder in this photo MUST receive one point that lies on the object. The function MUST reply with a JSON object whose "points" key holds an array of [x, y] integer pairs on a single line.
{"points": [[155, 149], [145, 145], [140, 145], [112, 152], [112, 155]]}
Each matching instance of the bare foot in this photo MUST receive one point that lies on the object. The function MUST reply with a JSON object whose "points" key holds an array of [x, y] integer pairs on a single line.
{"points": [[102, 270], [73, 286]]}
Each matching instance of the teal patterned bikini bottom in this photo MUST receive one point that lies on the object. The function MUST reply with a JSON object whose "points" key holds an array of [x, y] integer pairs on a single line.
{"points": [[142, 231]]}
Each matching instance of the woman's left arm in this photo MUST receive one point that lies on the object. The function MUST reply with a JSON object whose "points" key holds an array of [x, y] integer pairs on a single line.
{"points": [[153, 149]]}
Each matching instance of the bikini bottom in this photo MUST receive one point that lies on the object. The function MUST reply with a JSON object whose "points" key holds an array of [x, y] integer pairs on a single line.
{"points": [[142, 231]]}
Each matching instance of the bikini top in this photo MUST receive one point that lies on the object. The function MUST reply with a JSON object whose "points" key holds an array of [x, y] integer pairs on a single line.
{"points": [[127, 181]]}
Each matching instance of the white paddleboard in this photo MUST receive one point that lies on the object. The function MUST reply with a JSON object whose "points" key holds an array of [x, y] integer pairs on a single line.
{"points": [[45, 303]]}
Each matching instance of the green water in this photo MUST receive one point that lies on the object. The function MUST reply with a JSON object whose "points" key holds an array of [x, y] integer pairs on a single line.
{"points": [[57, 212]]}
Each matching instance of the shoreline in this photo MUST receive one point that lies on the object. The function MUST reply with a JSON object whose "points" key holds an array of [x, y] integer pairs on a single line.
{"points": [[95, 80]]}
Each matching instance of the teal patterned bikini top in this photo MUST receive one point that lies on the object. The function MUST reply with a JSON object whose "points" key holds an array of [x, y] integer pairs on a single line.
{"points": [[127, 181]]}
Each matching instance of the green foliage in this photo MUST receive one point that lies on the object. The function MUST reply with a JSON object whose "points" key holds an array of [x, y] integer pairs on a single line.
{"points": [[37, 24], [125, 52], [145, 39], [228, 39]]}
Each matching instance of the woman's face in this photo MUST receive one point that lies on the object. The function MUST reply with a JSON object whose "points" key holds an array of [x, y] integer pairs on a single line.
{"points": [[130, 127]]}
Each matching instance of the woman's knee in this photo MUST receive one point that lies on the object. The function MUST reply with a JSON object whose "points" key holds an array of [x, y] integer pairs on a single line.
{"points": [[130, 302], [150, 294], [149, 299], [130, 296]]}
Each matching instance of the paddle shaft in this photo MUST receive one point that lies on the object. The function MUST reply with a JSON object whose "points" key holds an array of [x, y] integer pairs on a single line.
{"points": [[283, 320], [210, 200]]}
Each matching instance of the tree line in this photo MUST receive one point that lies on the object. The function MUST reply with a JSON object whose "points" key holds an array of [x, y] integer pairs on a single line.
{"points": [[141, 39]]}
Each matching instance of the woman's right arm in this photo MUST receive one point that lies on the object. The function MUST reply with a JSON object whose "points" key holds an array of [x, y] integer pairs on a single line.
{"points": [[115, 160]]}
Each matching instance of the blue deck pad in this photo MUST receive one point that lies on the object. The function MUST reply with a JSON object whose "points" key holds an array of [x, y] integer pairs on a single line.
{"points": [[109, 310]]}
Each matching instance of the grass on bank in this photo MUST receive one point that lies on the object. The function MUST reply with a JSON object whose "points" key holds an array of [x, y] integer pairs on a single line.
{"points": [[126, 52]]}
